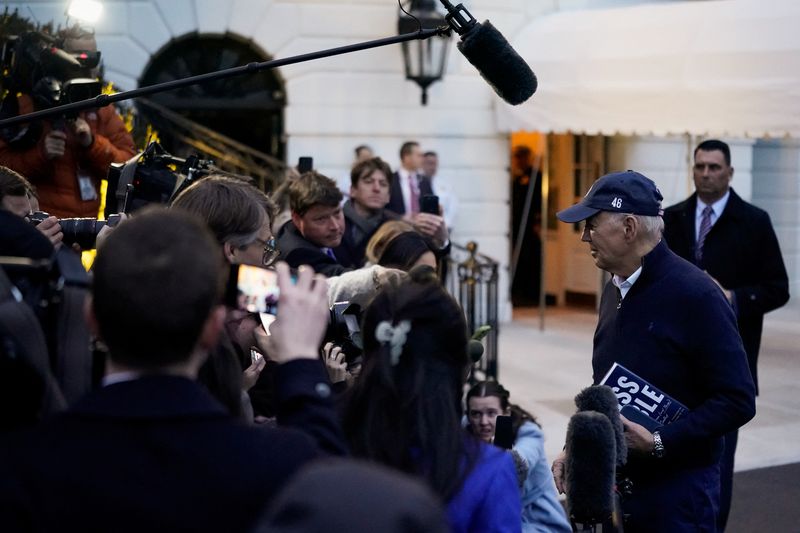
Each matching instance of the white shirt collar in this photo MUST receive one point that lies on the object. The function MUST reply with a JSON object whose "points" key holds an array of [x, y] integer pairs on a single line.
{"points": [[717, 207], [624, 285]]}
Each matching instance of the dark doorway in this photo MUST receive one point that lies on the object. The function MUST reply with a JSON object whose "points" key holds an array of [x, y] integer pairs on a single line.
{"points": [[247, 108]]}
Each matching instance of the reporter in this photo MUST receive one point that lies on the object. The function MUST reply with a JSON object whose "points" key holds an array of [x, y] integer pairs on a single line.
{"points": [[541, 510], [405, 409]]}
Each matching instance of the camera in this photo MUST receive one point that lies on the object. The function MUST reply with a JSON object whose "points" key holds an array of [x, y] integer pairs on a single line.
{"points": [[80, 231], [344, 329], [34, 63], [154, 176]]}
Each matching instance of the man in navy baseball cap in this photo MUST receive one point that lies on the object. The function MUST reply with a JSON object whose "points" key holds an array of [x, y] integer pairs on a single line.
{"points": [[666, 321], [620, 192]]}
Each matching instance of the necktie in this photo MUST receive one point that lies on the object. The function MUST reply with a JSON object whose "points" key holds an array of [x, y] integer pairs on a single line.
{"points": [[412, 186], [329, 253], [705, 227]]}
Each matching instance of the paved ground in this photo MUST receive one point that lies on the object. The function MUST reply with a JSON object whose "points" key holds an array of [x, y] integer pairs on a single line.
{"points": [[545, 369]]}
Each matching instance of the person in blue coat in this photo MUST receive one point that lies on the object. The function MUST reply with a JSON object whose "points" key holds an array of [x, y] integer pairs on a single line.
{"points": [[405, 409], [541, 510]]}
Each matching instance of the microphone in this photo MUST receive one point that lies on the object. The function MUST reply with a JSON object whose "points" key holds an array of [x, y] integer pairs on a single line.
{"points": [[590, 468], [489, 52], [474, 350], [602, 399]]}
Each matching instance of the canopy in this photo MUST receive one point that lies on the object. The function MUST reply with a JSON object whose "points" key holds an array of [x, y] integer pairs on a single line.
{"points": [[728, 68]]}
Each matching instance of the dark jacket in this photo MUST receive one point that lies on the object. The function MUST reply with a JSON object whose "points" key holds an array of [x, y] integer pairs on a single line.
{"points": [[676, 330], [159, 454], [296, 251], [741, 252], [396, 203], [357, 233]]}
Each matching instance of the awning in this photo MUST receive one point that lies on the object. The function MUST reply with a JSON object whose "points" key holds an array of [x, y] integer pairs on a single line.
{"points": [[727, 68]]}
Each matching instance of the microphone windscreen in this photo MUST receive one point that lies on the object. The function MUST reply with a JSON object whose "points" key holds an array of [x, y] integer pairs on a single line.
{"points": [[499, 64], [475, 350], [590, 468], [602, 399]]}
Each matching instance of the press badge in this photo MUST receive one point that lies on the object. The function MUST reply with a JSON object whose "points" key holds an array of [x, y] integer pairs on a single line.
{"points": [[86, 186]]}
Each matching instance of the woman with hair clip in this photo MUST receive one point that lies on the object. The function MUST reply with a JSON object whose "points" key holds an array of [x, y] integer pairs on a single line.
{"points": [[405, 410], [541, 510]]}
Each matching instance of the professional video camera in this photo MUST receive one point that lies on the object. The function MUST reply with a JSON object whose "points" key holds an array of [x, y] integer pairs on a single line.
{"points": [[154, 176], [35, 64]]}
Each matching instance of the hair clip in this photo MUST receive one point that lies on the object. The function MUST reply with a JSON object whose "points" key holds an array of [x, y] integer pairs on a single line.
{"points": [[394, 335]]}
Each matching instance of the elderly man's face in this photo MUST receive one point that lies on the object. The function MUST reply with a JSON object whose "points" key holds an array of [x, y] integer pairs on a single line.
{"points": [[605, 234]]}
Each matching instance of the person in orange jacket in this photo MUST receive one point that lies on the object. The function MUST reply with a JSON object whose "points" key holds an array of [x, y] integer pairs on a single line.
{"points": [[71, 157]]}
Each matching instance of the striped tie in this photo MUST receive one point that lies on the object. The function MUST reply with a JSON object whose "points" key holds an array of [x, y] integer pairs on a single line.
{"points": [[705, 227]]}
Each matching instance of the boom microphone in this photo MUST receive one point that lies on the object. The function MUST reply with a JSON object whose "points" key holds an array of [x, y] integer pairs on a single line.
{"points": [[590, 468], [602, 399], [486, 48]]}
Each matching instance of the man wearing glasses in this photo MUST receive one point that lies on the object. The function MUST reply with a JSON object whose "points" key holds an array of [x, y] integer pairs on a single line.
{"points": [[240, 217]]}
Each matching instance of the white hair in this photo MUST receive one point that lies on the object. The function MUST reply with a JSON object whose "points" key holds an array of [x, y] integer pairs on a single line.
{"points": [[652, 226]]}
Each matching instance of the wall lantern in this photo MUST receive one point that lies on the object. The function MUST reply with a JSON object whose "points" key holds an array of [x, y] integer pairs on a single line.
{"points": [[424, 60]]}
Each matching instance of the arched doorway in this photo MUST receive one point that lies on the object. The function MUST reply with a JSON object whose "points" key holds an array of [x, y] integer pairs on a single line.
{"points": [[246, 108]]}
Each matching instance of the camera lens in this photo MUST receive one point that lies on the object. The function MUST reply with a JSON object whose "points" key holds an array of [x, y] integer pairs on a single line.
{"points": [[81, 231]]}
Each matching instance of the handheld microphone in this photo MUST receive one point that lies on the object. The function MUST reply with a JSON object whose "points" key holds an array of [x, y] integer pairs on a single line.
{"points": [[590, 468], [489, 52], [602, 399]]}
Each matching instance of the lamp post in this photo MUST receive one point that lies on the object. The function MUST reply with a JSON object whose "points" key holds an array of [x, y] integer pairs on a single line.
{"points": [[424, 60]]}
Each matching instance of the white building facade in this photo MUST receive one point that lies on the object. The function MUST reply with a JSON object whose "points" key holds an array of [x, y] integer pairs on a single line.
{"points": [[335, 104]]}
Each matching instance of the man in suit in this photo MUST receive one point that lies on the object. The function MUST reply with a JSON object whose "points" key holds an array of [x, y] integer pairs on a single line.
{"points": [[151, 450], [734, 242], [316, 227], [408, 185]]}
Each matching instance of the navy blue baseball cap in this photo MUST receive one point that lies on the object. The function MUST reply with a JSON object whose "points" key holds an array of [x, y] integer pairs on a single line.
{"points": [[620, 192]]}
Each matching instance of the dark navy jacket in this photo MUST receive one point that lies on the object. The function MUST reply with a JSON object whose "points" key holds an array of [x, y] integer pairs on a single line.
{"points": [[160, 454], [676, 330]]}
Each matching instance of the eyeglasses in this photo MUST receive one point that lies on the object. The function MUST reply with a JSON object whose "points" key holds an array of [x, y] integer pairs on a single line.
{"points": [[271, 251]]}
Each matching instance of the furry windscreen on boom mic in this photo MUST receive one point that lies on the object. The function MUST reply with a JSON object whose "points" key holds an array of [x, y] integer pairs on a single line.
{"points": [[486, 48], [602, 399], [590, 468]]}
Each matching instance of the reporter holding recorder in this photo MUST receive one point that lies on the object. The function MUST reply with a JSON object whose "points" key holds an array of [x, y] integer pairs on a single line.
{"points": [[665, 320], [541, 510]]}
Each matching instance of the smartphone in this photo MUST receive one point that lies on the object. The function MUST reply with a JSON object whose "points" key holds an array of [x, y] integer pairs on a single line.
{"points": [[503, 432], [429, 203], [253, 289], [305, 164], [255, 356]]}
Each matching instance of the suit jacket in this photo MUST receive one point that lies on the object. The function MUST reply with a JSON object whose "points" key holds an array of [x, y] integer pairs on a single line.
{"points": [[741, 252], [158, 454], [396, 202], [296, 251]]}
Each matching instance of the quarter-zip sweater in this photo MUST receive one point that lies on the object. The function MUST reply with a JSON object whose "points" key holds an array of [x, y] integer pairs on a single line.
{"points": [[675, 329]]}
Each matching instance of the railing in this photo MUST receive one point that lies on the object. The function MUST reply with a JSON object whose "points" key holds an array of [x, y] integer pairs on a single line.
{"points": [[471, 278], [228, 154]]}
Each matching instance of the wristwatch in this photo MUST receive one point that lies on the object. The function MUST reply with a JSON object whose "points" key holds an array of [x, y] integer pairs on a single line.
{"points": [[658, 446]]}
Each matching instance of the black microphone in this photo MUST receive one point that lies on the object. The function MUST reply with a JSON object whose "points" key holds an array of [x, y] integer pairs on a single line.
{"points": [[590, 468], [475, 350], [486, 48], [602, 399]]}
